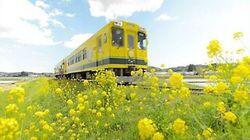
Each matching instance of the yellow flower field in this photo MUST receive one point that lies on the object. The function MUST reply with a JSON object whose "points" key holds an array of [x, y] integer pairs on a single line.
{"points": [[48, 108]]}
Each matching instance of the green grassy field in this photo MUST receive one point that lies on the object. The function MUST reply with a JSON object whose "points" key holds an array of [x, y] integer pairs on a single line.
{"points": [[46, 108]]}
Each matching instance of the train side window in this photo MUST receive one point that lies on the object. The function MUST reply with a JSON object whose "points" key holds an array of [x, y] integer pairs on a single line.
{"points": [[84, 54], [105, 38], [131, 41], [80, 55], [117, 37], [99, 42], [75, 59]]}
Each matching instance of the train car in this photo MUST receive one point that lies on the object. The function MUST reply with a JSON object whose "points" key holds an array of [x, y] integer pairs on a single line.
{"points": [[119, 46]]}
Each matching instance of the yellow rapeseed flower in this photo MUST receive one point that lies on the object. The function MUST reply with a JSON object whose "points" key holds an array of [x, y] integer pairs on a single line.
{"points": [[33, 138], [70, 102], [158, 136], [175, 80], [58, 91], [8, 128], [102, 109], [221, 88], [72, 112], [46, 126], [146, 128], [235, 79], [208, 89], [98, 114], [11, 108], [207, 104], [237, 35], [133, 95], [94, 92], [85, 82], [80, 107], [184, 92], [42, 114], [16, 93], [59, 115], [179, 126], [98, 102], [241, 96], [207, 133], [242, 71], [221, 107], [109, 109], [214, 48], [230, 116], [80, 99]]}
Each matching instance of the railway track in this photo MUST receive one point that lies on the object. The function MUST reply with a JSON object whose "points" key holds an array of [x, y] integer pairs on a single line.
{"points": [[193, 90]]}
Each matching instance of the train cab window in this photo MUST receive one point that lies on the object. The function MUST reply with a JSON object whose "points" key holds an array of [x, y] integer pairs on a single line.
{"points": [[105, 38], [117, 37], [131, 41], [142, 41]]}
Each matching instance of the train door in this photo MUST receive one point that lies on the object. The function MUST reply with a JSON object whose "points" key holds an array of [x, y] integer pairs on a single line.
{"points": [[132, 50]]}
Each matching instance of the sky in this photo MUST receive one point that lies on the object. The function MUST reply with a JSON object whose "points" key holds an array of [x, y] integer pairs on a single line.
{"points": [[36, 34]]}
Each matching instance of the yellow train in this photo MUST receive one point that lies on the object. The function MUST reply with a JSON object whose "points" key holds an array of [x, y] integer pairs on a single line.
{"points": [[119, 46]]}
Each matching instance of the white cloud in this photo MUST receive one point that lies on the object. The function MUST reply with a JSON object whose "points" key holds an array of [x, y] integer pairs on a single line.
{"points": [[42, 4], [165, 17], [66, 0], [69, 15], [27, 23], [77, 40], [112, 9], [57, 23], [56, 12]]}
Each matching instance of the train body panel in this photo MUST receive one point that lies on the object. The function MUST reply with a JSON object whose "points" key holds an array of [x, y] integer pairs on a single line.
{"points": [[118, 46]]}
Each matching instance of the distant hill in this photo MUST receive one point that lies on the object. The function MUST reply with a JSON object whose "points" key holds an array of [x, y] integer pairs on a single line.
{"points": [[188, 68], [24, 74]]}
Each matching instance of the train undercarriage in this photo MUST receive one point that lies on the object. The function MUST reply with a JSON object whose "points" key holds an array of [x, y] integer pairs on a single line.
{"points": [[123, 75]]}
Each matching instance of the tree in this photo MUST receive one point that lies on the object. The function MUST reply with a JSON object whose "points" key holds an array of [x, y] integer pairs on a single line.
{"points": [[23, 73], [191, 68]]}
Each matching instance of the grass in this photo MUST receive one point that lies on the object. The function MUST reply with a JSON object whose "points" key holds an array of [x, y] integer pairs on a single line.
{"points": [[129, 104]]}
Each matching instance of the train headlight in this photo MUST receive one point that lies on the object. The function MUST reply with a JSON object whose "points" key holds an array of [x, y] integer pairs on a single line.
{"points": [[142, 29], [118, 23]]}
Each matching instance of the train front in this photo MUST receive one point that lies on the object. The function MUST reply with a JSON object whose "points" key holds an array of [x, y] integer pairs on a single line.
{"points": [[129, 43]]}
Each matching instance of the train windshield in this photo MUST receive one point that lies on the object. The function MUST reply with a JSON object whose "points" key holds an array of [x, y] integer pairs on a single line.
{"points": [[117, 37], [142, 41]]}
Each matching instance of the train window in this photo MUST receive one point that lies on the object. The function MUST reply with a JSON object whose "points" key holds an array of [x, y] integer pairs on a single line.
{"points": [[78, 57], [131, 41], [105, 38], [84, 54], [117, 37], [142, 42], [99, 42], [71, 61], [75, 59]]}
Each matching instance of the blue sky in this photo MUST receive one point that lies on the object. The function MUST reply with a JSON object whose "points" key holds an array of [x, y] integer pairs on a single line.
{"points": [[36, 34]]}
